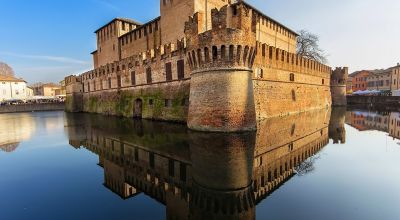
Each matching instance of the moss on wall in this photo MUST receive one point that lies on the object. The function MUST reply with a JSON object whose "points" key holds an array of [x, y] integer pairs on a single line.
{"points": [[122, 102]]}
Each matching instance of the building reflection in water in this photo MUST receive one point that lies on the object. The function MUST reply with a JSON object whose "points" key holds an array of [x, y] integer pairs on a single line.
{"points": [[203, 175], [385, 121], [15, 128]]}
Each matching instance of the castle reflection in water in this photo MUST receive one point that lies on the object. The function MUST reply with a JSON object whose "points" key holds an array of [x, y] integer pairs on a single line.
{"points": [[204, 175]]}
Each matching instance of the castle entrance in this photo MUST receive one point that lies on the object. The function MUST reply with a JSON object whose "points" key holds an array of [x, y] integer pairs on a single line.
{"points": [[138, 108]]}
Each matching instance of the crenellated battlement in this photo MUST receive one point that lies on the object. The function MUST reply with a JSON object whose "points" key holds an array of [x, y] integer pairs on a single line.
{"points": [[339, 76], [230, 42], [136, 63]]}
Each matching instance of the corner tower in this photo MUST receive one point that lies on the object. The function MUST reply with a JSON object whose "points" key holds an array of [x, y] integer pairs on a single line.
{"points": [[338, 86], [221, 60]]}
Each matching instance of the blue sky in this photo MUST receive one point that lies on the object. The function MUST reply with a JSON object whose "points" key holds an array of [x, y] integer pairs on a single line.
{"points": [[45, 40]]}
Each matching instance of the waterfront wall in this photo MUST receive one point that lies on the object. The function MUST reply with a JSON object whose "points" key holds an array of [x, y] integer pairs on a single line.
{"points": [[164, 101], [32, 107]]}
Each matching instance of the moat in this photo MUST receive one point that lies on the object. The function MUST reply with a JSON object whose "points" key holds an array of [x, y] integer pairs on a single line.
{"points": [[325, 164]]}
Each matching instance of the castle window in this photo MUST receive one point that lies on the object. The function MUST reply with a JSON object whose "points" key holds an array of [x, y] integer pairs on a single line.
{"points": [[150, 29], [123, 26], [168, 71], [185, 102], [323, 81], [156, 26], [119, 81], [109, 83], [148, 75], [181, 69], [259, 73], [234, 10], [291, 77], [133, 78], [167, 103], [214, 53], [151, 102]]}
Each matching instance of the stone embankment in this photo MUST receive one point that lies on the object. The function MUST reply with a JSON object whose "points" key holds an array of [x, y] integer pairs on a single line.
{"points": [[32, 107]]}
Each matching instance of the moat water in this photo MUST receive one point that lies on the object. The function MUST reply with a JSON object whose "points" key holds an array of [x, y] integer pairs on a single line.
{"points": [[320, 165]]}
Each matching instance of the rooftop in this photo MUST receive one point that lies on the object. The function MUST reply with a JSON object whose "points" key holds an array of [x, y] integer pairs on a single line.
{"points": [[10, 79]]}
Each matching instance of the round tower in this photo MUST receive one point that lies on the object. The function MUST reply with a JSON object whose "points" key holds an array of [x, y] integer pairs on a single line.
{"points": [[338, 86], [221, 59]]}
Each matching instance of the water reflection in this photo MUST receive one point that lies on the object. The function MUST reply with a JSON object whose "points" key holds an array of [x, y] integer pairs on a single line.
{"points": [[204, 175], [368, 120], [15, 128]]}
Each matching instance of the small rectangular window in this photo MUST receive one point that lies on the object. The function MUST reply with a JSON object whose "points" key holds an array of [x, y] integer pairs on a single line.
{"points": [[168, 71], [181, 69], [168, 103], [148, 75]]}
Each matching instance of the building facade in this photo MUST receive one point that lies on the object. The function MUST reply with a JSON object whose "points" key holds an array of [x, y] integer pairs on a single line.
{"points": [[217, 65], [47, 89], [359, 80], [12, 88], [380, 80]]}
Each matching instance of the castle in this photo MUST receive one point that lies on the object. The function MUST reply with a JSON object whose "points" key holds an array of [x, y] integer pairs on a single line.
{"points": [[218, 65]]}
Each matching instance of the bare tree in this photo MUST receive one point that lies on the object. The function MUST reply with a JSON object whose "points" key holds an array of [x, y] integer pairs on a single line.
{"points": [[6, 70], [307, 46]]}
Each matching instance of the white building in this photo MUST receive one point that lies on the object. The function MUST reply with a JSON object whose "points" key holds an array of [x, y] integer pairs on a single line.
{"points": [[13, 88]]}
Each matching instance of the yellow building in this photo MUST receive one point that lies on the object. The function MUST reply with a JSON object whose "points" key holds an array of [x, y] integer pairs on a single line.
{"points": [[47, 90]]}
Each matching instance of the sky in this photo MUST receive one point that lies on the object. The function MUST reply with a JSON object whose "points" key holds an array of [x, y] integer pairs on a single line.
{"points": [[46, 40]]}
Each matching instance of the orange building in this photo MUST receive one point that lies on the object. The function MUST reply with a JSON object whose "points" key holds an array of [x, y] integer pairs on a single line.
{"points": [[359, 80]]}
